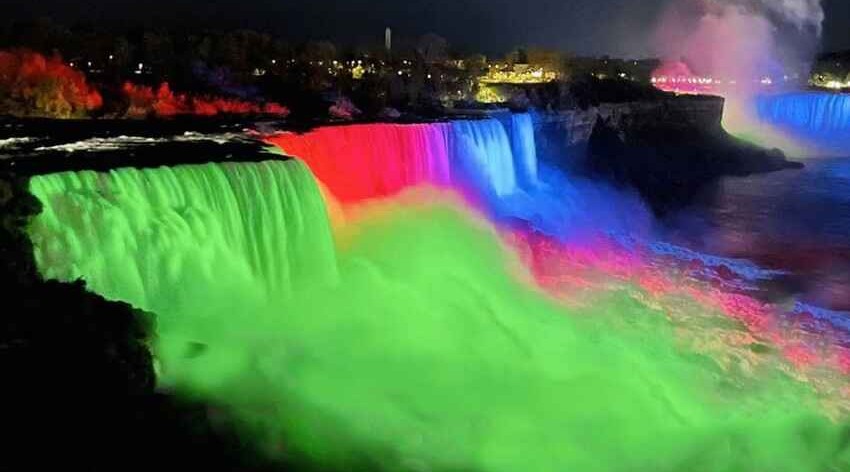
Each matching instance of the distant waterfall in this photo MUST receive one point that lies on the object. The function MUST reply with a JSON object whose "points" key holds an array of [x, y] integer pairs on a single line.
{"points": [[816, 111], [822, 119]]}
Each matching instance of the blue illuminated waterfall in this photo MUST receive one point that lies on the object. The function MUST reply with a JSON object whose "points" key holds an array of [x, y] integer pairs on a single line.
{"points": [[495, 160], [821, 119], [524, 149], [483, 159]]}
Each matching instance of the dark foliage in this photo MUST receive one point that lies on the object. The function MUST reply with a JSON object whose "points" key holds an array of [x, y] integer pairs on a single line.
{"points": [[588, 91]]}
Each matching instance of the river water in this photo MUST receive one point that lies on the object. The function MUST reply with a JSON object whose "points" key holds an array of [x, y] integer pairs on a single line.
{"points": [[795, 221]]}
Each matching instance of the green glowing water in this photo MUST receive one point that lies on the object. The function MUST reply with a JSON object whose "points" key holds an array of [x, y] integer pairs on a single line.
{"points": [[414, 347], [166, 236]]}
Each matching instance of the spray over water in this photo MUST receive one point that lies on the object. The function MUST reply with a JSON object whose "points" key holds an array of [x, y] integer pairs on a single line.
{"points": [[743, 49]]}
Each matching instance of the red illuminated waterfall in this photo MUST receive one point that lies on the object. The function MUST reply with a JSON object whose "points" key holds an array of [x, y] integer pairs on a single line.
{"points": [[371, 161]]}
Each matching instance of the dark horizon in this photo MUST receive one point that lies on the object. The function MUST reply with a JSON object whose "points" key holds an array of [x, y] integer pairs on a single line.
{"points": [[618, 28]]}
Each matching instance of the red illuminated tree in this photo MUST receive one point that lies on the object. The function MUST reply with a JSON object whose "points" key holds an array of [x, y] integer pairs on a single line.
{"points": [[164, 102], [33, 85]]}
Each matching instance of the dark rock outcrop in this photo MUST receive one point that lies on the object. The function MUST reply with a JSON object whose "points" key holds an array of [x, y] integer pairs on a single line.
{"points": [[667, 149], [670, 151]]}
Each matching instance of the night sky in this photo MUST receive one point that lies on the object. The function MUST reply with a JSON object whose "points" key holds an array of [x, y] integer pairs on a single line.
{"points": [[614, 27]]}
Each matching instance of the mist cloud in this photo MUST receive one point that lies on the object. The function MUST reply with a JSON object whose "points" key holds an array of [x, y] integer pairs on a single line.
{"points": [[740, 39], [802, 14]]}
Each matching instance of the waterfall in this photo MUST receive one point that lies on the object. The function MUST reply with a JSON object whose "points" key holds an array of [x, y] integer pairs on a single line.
{"points": [[368, 161], [493, 162], [496, 161], [379, 160], [482, 157], [820, 118], [524, 149], [161, 238]]}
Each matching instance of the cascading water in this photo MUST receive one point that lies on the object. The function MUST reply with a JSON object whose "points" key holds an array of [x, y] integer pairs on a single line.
{"points": [[815, 111], [496, 161], [493, 162], [158, 238], [820, 119], [370, 161], [524, 149], [482, 157]]}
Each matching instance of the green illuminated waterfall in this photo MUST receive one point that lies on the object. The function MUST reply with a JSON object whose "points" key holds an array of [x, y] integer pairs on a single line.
{"points": [[163, 238]]}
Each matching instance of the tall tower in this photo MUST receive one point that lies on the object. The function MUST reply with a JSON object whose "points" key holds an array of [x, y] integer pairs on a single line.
{"points": [[388, 39]]}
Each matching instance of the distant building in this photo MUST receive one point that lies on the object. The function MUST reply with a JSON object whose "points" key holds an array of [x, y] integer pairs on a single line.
{"points": [[388, 39], [518, 73]]}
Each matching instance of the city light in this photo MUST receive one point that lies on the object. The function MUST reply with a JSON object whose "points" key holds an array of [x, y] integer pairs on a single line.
{"points": [[518, 74], [837, 85]]}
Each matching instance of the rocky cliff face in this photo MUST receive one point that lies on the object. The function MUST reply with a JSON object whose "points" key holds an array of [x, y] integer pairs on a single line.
{"points": [[667, 149], [574, 127]]}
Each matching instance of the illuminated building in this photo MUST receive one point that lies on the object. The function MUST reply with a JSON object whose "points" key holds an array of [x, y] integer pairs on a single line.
{"points": [[518, 74]]}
